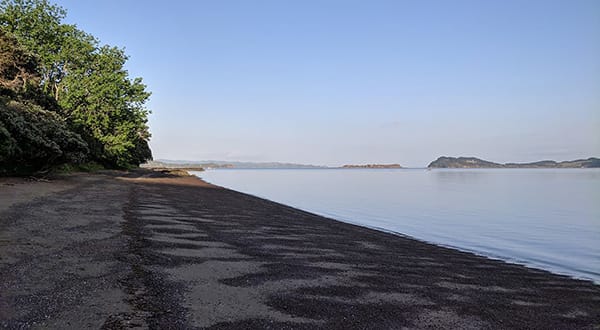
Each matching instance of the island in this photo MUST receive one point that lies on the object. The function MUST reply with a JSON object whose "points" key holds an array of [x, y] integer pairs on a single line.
{"points": [[472, 162], [378, 166]]}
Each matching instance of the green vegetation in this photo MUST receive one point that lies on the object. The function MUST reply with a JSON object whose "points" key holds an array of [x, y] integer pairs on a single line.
{"points": [[64, 98], [472, 162]]}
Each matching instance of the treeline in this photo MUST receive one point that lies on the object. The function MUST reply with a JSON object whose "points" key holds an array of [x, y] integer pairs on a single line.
{"points": [[64, 97]]}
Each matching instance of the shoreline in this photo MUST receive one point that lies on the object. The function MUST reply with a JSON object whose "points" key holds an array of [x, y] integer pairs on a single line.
{"points": [[402, 235], [538, 264], [167, 249]]}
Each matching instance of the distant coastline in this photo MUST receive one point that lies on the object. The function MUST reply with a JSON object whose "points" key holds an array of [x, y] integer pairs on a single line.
{"points": [[441, 162], [210, 164], [377, 166], [472, 162], [188, 166]]}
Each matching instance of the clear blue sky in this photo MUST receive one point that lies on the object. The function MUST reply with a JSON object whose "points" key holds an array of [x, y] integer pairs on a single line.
{"points": [[336, 82]]}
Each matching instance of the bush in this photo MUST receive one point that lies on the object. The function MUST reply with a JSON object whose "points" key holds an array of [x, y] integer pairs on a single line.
{"points": [[33, 139]]}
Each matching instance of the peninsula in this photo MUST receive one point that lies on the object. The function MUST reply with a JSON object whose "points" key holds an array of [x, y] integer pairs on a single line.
{"points": [[472, 162]]}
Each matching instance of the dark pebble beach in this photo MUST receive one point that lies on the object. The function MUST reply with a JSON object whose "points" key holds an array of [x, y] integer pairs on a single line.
{"points": [[148, 249]]}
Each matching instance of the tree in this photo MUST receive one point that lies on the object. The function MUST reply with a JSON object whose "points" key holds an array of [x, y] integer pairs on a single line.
{"points": [[105, 103], [18, 68], [97, 97], [31, 138], [37, 26]]}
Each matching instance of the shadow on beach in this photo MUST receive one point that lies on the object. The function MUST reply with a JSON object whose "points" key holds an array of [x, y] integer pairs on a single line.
{"points": [[167, 251]]}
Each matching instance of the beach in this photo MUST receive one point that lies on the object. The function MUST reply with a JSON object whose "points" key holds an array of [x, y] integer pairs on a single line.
{"points": [[147, 249]]}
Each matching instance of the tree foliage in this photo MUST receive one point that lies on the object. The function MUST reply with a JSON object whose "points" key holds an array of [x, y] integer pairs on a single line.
{"points": [[18, 68], [102, 101], [31, 137], [83, 82]]}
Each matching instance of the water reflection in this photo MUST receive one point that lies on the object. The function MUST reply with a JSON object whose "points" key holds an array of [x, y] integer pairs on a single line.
{"points": [[457, 176]]}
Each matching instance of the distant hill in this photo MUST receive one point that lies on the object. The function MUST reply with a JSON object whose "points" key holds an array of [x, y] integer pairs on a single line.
{"points": [[472, 162], [182, 165], [226, 164], [578, 163], [382, 166], [462, 162]]}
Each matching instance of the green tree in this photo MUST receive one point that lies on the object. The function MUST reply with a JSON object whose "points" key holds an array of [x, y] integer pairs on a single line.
{"points": [[104, 102], [37, 26], [18, 68], [95, 93], [31, 138]]}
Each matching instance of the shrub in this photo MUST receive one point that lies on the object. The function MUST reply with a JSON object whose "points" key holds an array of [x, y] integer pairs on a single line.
{"points": [[33, 139]]}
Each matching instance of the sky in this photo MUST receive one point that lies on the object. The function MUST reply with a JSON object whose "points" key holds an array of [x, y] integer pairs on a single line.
{"points": [[332, 82]]}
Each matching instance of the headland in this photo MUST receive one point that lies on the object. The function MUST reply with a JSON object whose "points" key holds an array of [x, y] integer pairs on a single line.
{"points": [[473, 162]]}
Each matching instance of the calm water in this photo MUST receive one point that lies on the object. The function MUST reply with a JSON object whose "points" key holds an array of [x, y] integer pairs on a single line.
{"points": [[544, 218]]}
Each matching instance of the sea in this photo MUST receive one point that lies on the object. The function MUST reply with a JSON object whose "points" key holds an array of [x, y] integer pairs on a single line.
{"points": [[542, 218]]}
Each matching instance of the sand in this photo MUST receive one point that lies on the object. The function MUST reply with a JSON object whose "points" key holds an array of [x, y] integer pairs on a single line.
{"points": [[150, 250]]}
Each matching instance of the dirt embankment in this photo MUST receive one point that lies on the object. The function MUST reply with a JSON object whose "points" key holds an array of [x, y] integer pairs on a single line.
{"points": [[156, 250]]}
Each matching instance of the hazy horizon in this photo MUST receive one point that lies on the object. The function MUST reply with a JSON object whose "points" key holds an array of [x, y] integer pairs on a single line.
{"points": [[233, 161], [347, 82]]}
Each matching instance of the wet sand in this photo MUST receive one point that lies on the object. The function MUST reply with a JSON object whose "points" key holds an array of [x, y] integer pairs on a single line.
{"points": [[150, 250]]}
